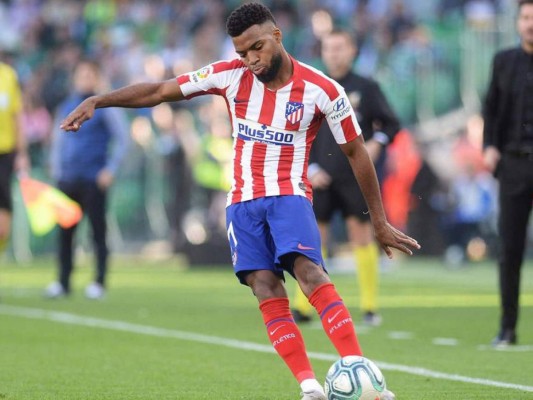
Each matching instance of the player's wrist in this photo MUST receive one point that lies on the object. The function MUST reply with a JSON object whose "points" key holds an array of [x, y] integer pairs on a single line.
{"points": [[381, 138], [313, 169]]}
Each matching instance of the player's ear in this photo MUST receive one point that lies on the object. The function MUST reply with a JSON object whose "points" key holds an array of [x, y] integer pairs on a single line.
{"points": [[278, 36]]}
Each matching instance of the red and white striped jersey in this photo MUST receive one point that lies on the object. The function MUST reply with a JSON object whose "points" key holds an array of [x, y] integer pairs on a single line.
{"points": [[273, 130]]}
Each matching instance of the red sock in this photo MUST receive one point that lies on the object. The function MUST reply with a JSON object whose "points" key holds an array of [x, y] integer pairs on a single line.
{"points": [[286, 337], [336, 320]]}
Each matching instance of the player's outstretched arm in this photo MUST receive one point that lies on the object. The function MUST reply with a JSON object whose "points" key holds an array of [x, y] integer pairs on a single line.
{"points": [[364, 172], [134, 96]]}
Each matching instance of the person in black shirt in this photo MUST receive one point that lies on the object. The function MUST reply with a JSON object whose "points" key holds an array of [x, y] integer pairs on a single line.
{"points": [[335, 188], [508, 153]]}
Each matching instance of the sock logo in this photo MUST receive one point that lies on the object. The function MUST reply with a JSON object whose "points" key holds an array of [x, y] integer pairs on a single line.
{"points": [[340, 325], [283, 338], [330, 320], [275, 330]]}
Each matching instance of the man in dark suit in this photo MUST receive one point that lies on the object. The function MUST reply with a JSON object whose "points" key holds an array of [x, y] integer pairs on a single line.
{"points": [[508, 153]]}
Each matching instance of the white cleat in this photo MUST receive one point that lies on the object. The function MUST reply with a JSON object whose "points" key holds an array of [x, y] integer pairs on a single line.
{"points": [[54, 291], [94, 291], [387, 395], [312, 390], [313, 395]]}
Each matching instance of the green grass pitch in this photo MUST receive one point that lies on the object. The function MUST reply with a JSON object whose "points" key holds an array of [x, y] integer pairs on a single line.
{"points": [[168, 332]]}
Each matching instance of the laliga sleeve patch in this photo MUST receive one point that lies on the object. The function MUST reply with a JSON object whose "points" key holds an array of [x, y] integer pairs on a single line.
{"points": [[201, 74]]}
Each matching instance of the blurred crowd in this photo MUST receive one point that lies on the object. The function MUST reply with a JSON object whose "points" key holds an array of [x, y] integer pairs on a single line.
{"points": [[189, 145]]}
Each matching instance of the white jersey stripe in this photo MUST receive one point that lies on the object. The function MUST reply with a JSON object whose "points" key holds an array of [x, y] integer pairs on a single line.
{"points": [[271, 170], [246, 161]]}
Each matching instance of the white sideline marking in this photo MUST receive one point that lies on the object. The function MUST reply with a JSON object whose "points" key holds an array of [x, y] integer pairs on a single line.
{"points": [[73, 319], [441, 341], [510, 349], [400, 335]]}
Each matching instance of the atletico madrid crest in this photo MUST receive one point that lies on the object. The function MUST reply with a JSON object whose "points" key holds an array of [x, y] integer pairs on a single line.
{"points": [[294, 112]]}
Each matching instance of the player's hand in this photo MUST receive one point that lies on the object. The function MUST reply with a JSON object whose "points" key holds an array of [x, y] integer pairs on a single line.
{"points": [[104, 179], [84, 111], [320, 179], [491, 158], [22, 164], [388, 236], [374, 149]]}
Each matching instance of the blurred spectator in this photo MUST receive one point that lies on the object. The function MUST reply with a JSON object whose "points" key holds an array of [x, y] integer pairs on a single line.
{"points": [[85, 166], [56, 84], [472, 199], [403, 163], [13, 150], [37, 123], [399, 22], [185, 138], [212, 165], [426, 210]]}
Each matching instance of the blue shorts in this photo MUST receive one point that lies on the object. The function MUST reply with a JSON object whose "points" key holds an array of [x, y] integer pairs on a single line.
{"points": [[267, 233]]}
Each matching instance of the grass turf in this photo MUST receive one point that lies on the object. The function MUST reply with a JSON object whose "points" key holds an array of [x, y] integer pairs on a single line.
{"points": [[435, 319]]}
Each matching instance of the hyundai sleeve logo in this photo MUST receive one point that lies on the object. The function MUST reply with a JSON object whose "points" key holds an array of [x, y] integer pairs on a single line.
{"points": [[339, 105]]}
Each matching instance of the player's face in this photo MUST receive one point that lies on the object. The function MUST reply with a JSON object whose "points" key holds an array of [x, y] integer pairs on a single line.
{"points": [[525, 25], [338, 54], [260, 49], [85, 78]]}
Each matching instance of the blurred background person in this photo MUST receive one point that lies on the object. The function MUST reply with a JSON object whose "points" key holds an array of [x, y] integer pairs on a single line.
{"points": [[84, 166], [13, 151], [334, 186], [508, 153]]}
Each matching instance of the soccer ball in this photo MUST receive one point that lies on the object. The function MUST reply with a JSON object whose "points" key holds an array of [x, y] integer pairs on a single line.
{"points": [[354, 378]]}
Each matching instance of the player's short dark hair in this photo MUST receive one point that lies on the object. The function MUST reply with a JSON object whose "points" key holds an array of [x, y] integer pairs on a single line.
{"points": [[247, 15], [91, 62], [344, 32], [524, 2]]}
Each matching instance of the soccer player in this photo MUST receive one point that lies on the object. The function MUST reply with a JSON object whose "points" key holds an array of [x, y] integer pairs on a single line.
{"points": [[335, 188], [13, 150], [276, 104]]}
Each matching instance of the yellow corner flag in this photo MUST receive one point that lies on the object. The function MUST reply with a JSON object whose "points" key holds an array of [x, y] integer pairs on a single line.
{"points": [[47, 206]]}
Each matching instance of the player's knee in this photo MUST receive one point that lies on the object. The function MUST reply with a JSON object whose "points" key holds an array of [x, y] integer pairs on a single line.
{"points": [[310, 275], [265, 285]]}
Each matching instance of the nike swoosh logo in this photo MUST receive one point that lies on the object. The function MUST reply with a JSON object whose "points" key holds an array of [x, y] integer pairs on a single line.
{"points": [[302, 247], [335, 316], [236, 100], [274, 331]]}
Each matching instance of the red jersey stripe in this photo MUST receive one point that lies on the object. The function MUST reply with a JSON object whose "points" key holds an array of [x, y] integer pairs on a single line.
{"points": [[182, 79], [258, 164], [227, 65], [284, 170], [237, 172], [287, 155], [260, 149], [349, 129], [268, 107], [243, 95], [319, 80]]}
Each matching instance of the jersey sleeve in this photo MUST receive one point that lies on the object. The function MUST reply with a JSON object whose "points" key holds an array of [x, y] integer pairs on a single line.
{"points": [[211, 79], [341, 118]]}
